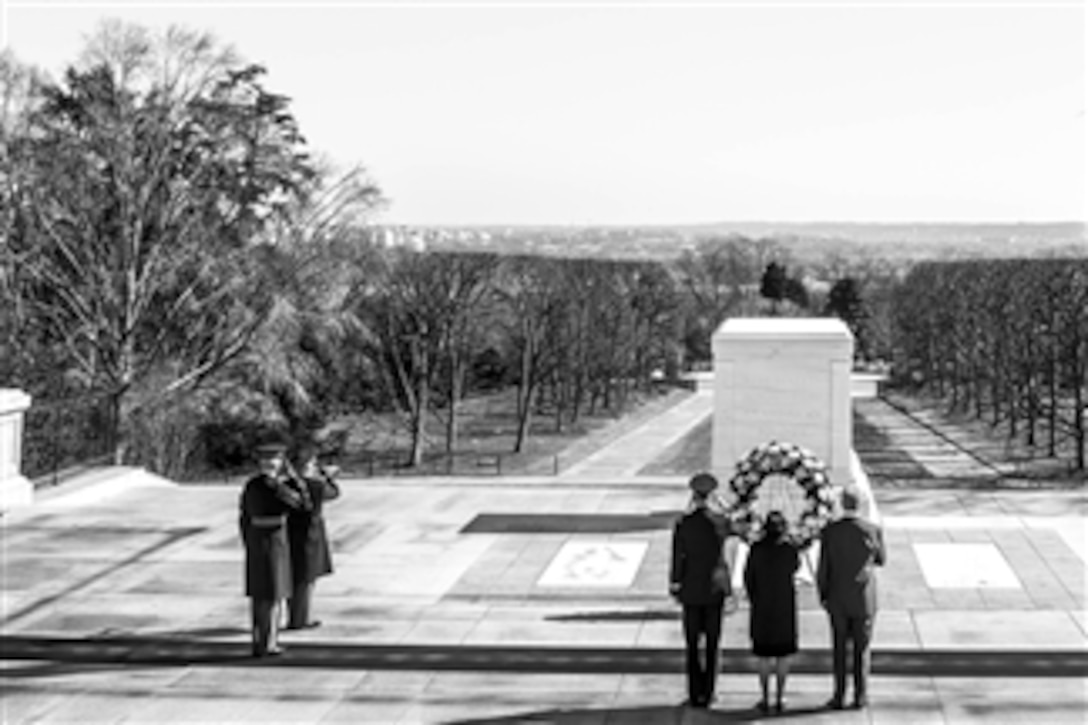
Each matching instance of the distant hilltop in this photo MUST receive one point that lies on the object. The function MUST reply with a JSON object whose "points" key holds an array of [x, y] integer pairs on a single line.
{"points": [[925, 232], [805, 240]]}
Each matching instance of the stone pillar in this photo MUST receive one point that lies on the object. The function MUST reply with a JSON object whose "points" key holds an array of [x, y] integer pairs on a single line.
{"points": [[783, 379], [15, 489]]}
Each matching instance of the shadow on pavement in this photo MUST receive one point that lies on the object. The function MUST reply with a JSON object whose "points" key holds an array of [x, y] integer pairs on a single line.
{"points": [[166, 539], [882, 459], [647, 615], [136, 650], [641, 715], [567, 523]]}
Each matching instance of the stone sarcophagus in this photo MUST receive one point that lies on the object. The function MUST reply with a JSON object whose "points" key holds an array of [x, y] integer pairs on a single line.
{"points": [[784, 379]]}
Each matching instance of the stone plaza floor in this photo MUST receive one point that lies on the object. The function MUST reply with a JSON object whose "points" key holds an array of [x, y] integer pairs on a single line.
{"points": [[496, 600]]}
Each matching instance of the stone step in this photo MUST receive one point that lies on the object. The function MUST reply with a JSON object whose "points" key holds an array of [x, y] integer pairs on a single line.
{"points": [[163, 651]]}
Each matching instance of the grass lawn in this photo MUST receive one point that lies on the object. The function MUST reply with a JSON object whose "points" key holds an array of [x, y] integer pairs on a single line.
{"points": [[1017, 463], [689, 454], [1014, 458], [487, 425]]}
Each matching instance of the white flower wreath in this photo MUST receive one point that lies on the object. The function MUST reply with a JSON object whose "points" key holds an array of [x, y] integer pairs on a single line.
{"points": [[799, 464]]}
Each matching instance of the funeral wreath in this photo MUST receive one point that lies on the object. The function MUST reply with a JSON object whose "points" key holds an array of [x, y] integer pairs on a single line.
{"points": [[795, 462]]}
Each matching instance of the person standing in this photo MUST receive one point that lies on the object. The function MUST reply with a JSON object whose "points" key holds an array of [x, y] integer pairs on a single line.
{"points": [[263, 506], [699, 580], [850, 550], [772, 625], [308, 538]]}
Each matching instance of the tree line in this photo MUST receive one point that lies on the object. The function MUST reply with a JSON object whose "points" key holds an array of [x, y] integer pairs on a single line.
{"points": [[157, 201], [171, 246], [1006, 340]]}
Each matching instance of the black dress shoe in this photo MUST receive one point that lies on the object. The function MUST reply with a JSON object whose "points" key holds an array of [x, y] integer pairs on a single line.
{"points": [[763, 707], [309, 625], [834, 704], [861, 703], [270, 652]]}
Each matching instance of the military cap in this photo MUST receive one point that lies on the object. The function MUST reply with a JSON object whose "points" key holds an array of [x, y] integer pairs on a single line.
{"points": [[269, 449], [703, 483]]}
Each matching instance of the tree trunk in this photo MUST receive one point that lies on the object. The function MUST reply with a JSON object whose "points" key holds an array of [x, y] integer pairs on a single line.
{"points": [[979, 388], [955, 404], [422, 402], [1052, 410], [1080, 434], [578, 395], [559, 395], [938, 372], [1014, 409], [1032, 410], [1080, 384], [524, 395], [418, 424], [525, 413], [114, 430], [456, 383]]}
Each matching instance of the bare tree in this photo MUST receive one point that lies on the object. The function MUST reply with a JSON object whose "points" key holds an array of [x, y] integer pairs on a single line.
{"points": [[532, 293], [717, 277], [468, 290], [150, 174]]}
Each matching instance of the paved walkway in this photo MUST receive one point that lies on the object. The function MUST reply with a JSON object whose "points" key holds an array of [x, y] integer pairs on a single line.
{"points": [[898, 449], [624, 457], [513, 600]]}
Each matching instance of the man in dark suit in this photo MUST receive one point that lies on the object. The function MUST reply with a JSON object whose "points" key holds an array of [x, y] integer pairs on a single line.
{"points": [[699, 579], [265, 501], [850, 550]]}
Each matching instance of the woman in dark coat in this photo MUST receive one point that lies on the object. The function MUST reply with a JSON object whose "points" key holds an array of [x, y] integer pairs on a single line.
{"points": [[768, 579], [310, 555]]}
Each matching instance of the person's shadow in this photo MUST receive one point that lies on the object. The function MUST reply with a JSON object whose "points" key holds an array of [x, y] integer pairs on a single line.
{"points": [[645, 715]]}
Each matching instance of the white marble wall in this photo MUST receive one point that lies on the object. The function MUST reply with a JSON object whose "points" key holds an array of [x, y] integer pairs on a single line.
{"points": [[783, 379], [15, 489]]}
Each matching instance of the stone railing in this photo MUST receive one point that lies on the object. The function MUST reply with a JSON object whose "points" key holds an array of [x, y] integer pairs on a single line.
{"points": [[15, 488], [866, 385]]}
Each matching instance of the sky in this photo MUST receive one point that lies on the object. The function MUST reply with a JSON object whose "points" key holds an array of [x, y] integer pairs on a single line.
{"points": [[626, 113]]}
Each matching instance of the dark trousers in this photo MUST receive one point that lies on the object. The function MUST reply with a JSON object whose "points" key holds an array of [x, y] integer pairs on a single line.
{"points": [[264, 614], [858, 630], [702, 622], [298, 606]]}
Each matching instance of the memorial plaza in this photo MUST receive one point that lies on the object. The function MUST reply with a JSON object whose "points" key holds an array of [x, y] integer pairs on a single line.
{"points": [[498, 600]]}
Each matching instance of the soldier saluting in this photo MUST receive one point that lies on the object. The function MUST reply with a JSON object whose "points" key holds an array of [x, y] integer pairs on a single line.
{"points": [[266, 499]]}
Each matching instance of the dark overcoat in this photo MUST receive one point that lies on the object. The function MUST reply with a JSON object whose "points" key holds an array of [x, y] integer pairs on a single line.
{"points": [[697, 550], [264, 505], [850, 551], [309, 541], [768, 580]]}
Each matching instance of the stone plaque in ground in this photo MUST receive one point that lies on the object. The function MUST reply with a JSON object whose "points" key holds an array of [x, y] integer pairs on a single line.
{"points": [[605, 564], [965, 566]]}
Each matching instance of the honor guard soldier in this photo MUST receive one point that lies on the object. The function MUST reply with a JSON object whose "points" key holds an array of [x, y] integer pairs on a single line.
{"points": [[699, 579], [310, 554], [265, 502]]}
